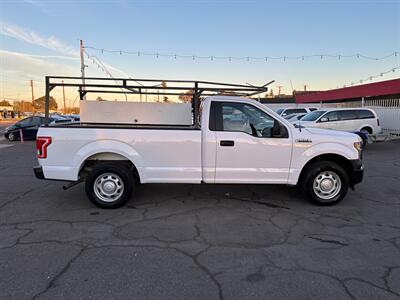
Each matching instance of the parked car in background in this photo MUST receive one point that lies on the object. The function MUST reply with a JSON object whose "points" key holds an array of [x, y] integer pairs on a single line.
{"points": [[30, 126], [294, 110], [345, 119], [294, 117], [74, 117]]}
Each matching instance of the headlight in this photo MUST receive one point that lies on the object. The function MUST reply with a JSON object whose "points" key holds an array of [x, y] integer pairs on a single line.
{"points": [[358, 146]]}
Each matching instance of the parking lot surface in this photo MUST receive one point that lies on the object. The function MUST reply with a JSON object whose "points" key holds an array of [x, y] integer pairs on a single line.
{"points": [[199, 242]]}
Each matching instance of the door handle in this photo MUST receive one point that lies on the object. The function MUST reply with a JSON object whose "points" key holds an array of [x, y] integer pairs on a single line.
{"points": [[225, 143]]}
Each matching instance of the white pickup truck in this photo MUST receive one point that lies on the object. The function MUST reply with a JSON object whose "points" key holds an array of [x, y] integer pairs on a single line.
{"points": [[239, 141]]}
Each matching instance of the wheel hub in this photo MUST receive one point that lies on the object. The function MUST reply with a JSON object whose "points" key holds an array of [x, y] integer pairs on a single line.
{"points": [[327, 185], [108, 187]]}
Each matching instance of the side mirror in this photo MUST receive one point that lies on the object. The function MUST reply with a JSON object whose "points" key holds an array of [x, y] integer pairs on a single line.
{"points": [[276, 130], [324, 119], [279, 131]]}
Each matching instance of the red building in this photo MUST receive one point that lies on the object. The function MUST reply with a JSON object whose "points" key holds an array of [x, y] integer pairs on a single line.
{"points": [[383, 89]]}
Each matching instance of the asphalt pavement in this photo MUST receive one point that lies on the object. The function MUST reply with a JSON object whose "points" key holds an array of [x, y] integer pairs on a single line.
{"points": [[199, 241]]}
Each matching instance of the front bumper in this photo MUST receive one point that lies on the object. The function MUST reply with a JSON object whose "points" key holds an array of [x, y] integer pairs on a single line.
{"points": [[356, 172], [38, 170]]}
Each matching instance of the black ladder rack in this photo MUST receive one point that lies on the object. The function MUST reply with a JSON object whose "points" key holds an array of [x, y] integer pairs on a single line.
{"points": [[196, 89]]}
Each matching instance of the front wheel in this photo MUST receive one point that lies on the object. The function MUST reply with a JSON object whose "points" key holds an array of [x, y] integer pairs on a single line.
{"points": [[325, 183], [109, 185], [12, 137]]}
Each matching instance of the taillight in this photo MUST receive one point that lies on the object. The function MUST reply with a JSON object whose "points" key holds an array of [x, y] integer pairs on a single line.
{"points": [[41, 146], [377, 121]]}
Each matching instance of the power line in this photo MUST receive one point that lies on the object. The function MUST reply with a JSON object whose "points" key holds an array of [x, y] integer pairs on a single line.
{"points": [[95, 60], [245, 58], [372, 77]]}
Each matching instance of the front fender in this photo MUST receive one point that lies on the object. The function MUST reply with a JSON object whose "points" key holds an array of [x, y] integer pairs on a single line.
{"points": [[301, 157]]}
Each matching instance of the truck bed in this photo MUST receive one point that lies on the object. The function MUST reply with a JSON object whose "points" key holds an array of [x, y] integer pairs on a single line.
{"points": [[160, 153]]}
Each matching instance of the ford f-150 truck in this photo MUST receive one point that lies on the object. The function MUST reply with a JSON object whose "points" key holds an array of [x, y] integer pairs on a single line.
{"points": [[239, 141]]}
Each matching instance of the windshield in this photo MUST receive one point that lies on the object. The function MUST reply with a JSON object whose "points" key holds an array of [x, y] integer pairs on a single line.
{"points": [[312, 116]]}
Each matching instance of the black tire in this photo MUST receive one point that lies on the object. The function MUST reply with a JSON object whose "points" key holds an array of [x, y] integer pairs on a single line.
{"points": [[113, 174], [12, 137], [334, 174], [368, 130]]}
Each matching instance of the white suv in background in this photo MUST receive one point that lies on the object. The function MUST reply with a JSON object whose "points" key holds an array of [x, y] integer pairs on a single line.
{"points": [[294, 110], [344, 119]]}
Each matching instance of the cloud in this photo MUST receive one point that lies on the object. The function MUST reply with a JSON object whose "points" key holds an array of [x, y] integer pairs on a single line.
{"points": [[18, 68], [37, 65], [31, 37], [5, 52]]}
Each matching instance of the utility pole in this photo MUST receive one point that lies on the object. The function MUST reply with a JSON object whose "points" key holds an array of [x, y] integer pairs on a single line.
{"points": [[81, 51], [65, 106], [33, 96]]}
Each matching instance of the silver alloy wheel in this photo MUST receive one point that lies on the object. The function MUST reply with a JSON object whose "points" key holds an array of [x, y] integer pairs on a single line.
{"points": [[108, 187], [327, 185]]}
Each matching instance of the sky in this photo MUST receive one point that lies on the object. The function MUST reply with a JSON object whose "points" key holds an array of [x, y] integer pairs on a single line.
{"points": [[41, 37]]}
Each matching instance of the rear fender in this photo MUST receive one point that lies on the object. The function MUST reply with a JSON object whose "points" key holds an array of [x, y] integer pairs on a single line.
{"points": [[107, 146]]}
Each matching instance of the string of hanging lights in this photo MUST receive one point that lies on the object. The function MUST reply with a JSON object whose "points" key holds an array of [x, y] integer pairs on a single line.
{"points": [[245, 58]]}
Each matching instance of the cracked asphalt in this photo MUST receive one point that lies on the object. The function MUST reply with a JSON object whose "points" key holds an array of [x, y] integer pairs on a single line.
{"points": [[199, 242]]}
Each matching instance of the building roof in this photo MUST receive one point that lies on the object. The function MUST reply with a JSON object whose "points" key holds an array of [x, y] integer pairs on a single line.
{"points": [[382, 88]]}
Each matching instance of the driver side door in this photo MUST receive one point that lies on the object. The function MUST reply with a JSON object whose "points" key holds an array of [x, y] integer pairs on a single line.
{"points": [[247, 150]]}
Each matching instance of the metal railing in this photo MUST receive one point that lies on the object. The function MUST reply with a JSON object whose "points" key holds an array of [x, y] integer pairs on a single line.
{"points": [[194, 89]]}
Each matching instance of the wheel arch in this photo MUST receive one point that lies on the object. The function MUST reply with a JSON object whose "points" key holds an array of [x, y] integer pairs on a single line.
{"points": [[368, 127], [108, 158], [108, 152], [332, 157]]}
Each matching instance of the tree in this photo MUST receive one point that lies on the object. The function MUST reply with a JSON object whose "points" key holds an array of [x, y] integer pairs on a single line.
{"points": [[187, 96], [24, 106], [38, 103], [271, 93], [100, 99], [5, 103]]}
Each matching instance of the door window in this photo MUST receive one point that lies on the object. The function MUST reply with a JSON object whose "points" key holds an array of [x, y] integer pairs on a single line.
{"points": [[242, 117], [26, 122], [37, 121], [331, 116]]}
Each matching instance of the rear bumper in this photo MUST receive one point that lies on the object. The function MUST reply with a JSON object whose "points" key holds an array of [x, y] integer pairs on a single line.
{"points": [[38, 170], [357, 172]]}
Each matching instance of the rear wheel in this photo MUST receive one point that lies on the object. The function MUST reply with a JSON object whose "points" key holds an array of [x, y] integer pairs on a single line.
{"points": [[109, 185], [325, 183]]}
